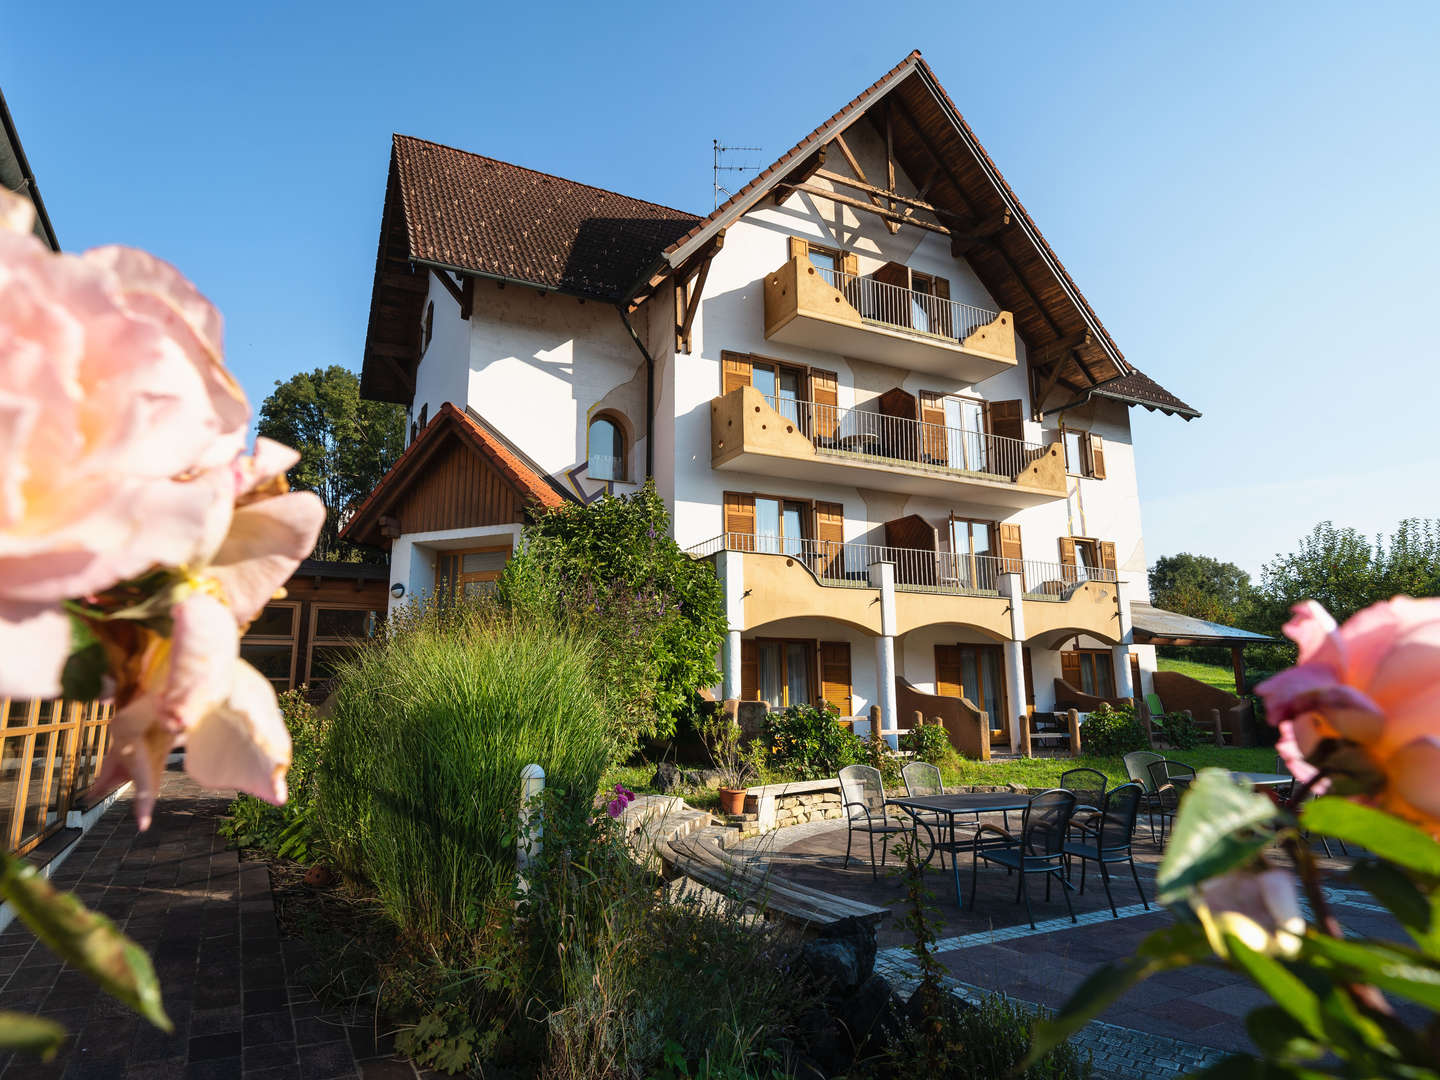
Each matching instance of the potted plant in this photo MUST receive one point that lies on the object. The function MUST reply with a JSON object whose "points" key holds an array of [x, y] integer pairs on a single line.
{"points": [[721, 735]]}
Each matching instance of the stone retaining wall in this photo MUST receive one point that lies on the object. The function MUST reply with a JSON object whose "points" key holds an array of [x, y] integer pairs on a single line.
{"points": [[800, 809]]}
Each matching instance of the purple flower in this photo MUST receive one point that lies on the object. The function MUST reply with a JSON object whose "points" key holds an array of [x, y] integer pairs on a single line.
{"points": [[614, 808]]}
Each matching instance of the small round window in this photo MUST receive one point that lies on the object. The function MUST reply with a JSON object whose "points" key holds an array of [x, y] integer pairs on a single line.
{"points": [[606, 450]]}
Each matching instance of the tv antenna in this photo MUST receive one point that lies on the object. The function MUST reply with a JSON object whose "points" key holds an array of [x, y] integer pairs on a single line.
{"points": [[719, 168]]}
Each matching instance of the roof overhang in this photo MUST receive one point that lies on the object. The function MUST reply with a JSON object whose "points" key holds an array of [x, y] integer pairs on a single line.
{"points": [[17, 176], [1156, 626]]}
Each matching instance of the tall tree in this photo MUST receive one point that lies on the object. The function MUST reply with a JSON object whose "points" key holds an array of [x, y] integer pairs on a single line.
{"points": [[1202, 587], [346, 444]]}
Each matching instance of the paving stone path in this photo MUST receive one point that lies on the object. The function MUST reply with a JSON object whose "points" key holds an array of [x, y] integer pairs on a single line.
{"points": [[228, 979]]}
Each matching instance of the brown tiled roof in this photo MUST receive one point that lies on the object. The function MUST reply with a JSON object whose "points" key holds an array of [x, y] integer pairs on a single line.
{"points": [[449, 422], [1137, 388], [476, 213]]}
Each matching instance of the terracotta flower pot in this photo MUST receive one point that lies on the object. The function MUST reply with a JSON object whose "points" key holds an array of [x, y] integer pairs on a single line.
{"points": [[732, 800]]}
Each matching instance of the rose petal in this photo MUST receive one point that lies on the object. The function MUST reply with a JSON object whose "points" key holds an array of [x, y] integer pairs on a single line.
{"points": [[1410, 663], [266, 542], [1292, 752], [1344, 708], [203, 653], [34, 645], [1414, 773], [1284, 688], [140, 741], [1310, 628], [242, 744]]}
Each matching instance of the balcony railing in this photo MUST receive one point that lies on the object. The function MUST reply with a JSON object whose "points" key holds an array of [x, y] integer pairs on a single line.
{"points": [[907, 309], [916, 570], [873, 435]]}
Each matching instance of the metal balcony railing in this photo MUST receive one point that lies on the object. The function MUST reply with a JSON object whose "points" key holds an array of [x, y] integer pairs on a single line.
{"points": [[916, 570], [907, 309], [866, 433]]}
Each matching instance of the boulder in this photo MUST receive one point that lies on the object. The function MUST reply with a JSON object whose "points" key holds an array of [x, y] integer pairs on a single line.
{"points": [[667, 778], [871, 1015], [832, 964]]}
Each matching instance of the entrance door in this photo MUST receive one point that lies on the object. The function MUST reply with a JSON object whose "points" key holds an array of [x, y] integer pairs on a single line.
{"points": [[976, 673], [784, 671], [965, 427]]}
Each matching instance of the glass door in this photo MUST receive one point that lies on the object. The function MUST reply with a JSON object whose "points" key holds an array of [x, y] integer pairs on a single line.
{"points": [[965, 423], [784, 672], [970, 546], [787, 396], [780, 525]]}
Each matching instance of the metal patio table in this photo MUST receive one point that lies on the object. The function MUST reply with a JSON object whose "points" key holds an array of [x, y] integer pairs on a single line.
{"points": [[1263, 779], [953, 806]]}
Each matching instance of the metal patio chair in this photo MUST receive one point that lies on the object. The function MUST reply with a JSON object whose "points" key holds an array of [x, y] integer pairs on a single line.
{"points": [[921, 778], [1287, 791], [1089, 787], [1169, 779], [1137, 768], [864, 793], [1038, 849], [1109, 839]]}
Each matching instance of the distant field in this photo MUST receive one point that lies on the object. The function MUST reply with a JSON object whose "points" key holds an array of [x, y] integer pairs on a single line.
{"points": [[1214, 674]]}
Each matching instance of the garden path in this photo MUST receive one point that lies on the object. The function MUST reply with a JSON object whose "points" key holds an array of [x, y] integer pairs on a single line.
{"points": [[229, 980]]}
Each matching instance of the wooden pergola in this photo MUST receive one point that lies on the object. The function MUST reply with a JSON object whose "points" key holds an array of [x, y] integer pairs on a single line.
{"points": [[1156, 626]]}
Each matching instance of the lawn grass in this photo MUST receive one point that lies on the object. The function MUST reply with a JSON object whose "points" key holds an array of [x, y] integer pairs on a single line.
{"points": [[1216, 675], [1026, 772]]}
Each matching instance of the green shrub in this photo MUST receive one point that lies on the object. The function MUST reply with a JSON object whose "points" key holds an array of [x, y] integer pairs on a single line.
{"points": [[929, 742], [421, 775], [1108, 732], [808, 742], [611, 567], [877, 752], [290, 831], [1177, 729], [981, 1042]]}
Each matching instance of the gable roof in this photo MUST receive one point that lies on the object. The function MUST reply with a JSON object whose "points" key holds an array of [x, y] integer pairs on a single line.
{"points": [[449, 425], [1137, 388], [1064, 336]]}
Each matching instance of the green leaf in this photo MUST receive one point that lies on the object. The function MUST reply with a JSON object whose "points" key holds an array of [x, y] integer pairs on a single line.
{"points": [[1221, 825], [1400, 971], [1417, 912], [1280, 1036], [1283, 986], [84, 939], [1172, 947], [86, 664], [1387, 836], [30, 1034]]}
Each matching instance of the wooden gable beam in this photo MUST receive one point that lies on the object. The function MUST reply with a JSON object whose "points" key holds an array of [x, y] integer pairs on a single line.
{"points": [[467, 298], [890, 223], [915, 201], [801, 173], [965, 240], [1024, 287], [936, 157], [870, 207], [450, 286], [690, 287]]}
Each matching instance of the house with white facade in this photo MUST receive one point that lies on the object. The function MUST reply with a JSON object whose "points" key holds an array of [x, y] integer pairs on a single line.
{"points": [[866, 387]]}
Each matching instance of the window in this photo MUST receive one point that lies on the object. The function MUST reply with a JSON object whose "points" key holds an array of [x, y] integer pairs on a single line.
{"points": [[976, 673], [269, 644], [971, 547], [1084, 454], [954, 431], [1086, 559], [335, 630], [605, 449], [826, 260], [428, 330], [785, 672], [780, 525], [1095, 671], [471, 573]]}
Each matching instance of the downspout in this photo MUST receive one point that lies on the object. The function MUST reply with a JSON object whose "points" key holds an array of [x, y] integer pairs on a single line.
{"points": [[649, 392]]}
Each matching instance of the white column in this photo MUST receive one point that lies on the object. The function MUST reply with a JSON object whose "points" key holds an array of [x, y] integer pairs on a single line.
{"points": [[882, 577], [1120, 654], [1013, 589], [730, 568]]}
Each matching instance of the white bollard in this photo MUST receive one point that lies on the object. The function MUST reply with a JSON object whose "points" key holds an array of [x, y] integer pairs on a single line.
{"points": [[531, 824]]}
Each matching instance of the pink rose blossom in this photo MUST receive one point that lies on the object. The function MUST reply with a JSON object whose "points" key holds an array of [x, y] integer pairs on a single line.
{"points": [[112, 396], [1261, 909], [1374, 682]]}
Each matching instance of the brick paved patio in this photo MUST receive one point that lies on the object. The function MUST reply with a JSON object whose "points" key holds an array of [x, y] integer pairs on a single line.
{"points": [[208, 921]]}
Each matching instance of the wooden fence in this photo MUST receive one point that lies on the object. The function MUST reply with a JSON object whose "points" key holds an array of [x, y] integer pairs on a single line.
{"points": [[51, 754]]}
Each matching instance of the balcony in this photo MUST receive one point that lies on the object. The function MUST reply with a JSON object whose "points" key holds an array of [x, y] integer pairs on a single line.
{"points": [[791, 577], [803, 440], [873, 320]]}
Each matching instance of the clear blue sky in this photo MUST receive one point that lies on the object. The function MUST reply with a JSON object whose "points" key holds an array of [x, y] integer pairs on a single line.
{"points": [[1249, 194]]}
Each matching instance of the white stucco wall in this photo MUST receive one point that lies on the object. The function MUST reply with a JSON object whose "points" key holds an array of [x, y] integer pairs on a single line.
{"points": [[441, 375]]}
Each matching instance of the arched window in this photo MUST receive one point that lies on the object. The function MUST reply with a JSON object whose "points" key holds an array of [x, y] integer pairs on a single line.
{"points": [[606, 449]]}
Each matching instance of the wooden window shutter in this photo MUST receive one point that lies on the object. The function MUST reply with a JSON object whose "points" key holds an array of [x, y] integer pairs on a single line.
{"points": [[943, 323], [850, 263], [830, 540], [1096, 456], [933, 434], [1011, 553], [1107, 555], [835, 674], [894, 273], [1029, 680], [1067, 557], [947, 671], [825, 393], [1135, 690], [739, 518], [736, 371], [749, 671], [1006, 419], [799, 248], [1070, 667]]}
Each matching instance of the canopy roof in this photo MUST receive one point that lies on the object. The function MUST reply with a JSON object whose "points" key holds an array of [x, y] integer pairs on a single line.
{"points": [[1156, 626]]}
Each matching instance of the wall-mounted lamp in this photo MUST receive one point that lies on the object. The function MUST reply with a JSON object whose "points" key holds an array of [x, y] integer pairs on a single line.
{"points": [[397, 590]]}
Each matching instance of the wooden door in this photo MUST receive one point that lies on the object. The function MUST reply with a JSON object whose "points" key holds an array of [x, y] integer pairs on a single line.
{"points": [[835, 685], [825, 407], [933, 440], [739, 521], [830, 540]]}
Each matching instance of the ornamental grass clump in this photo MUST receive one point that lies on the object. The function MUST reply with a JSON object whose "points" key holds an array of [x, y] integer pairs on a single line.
{"points": [[421, 778]]}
